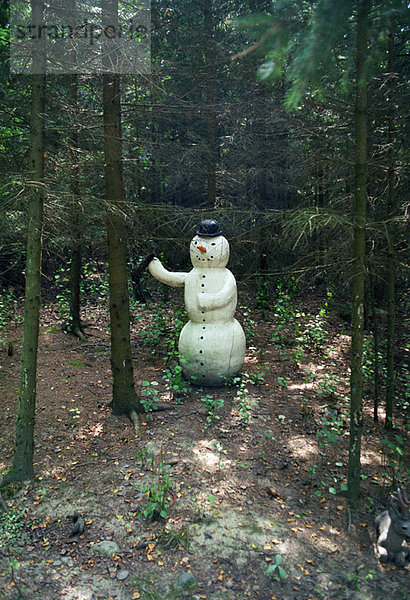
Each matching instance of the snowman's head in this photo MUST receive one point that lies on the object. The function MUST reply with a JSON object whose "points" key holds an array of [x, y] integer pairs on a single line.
{"points": [[209, 252]]}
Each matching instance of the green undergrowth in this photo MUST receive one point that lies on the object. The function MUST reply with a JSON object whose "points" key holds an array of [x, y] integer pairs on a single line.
{"points": [[93, 286], [14, 527], [8, 306]]}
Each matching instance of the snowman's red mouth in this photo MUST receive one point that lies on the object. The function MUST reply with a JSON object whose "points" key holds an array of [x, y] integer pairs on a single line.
{"points": [[202, 249]]}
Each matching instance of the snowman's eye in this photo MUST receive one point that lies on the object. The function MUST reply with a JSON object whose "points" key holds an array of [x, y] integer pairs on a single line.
{"points": [[213, 244]]}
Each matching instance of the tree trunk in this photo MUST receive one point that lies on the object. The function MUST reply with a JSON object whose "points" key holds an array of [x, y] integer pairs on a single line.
{"points": [[124, 399], [209, 53], [74, 320], [390, 241], [375, 365], [359, 254], [22, 467]]}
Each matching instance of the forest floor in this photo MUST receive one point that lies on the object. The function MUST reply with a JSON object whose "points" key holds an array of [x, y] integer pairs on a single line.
{"points": [[255, 480]]}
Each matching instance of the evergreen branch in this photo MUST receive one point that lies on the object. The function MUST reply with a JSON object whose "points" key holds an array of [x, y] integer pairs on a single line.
{"points": [[274, 29], [303, 223]]}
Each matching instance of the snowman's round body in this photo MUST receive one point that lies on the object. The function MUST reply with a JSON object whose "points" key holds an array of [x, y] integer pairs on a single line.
{"points": [[212, 343]]}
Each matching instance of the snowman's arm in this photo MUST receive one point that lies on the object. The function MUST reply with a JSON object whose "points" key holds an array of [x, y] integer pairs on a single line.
{"points": [[158, 271], [225, 296]]}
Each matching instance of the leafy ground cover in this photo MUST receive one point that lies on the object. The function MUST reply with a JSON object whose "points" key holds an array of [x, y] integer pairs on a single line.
{"points": [[232, 493]]}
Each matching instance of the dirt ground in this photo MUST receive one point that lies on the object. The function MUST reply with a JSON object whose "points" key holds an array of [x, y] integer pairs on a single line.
{"points": [[254, 485]]}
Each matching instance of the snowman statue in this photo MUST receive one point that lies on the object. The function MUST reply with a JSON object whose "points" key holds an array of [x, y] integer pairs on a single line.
{"points": [[212, 343]]}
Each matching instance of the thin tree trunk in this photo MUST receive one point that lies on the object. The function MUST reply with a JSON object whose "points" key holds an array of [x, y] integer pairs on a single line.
{"points": [[376, 367], [138, 169], [375, 330], [74, 320], [124, 399], [359, 254], [210, 104], [22, 467], [390, 242], [155, 168]]}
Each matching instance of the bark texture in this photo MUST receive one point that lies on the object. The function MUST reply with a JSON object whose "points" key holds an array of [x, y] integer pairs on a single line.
{"points": [[74, 321], [124, 399], [359, 254], [22, 467], [390, 287]]}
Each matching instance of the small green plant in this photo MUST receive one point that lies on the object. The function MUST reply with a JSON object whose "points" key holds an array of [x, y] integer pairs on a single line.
{"points": [[358, 578], [278, 339], [172, 538], [149, 395], [312, 470], [311, 330], [276, 570], [77, 363], [249, 327], [402, 396], [283, 381], [242, 397], [175, 380], [61, 279], [333, 425], [369, 361], [219, 451], [14, 527], [328, 385], [176, 324], [153, 336], [158, 489], [394, 460], [309, 376], [257, 377], [211, 404], [75, 412], [297, 355], [263, 301], [93, 286], [94, 283], [284, 307]]}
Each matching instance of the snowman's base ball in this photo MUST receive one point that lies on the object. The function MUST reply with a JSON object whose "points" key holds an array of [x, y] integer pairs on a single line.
{"points": [[212, 353]]}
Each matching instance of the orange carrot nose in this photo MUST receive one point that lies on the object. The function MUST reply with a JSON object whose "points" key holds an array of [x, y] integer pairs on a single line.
{"points": [[201, 249]]}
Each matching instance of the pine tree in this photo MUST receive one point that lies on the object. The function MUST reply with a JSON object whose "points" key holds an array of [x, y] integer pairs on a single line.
{"points": [[312, 62], [359, 253], [22, 466], [124, 398]]}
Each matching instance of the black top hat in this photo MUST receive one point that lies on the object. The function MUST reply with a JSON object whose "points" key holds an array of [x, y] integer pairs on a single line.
{"points": [[209, 228]]}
